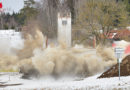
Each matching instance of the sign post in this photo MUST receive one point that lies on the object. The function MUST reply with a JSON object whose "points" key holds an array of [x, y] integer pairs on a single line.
{"points": [[119, 52]]}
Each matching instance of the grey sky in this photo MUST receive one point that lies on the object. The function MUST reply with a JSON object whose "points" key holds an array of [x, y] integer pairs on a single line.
{"points": [[13, 5]]}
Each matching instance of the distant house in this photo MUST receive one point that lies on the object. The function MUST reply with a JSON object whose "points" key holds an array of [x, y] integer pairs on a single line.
{"points": [[119, 34], [118, 37]]}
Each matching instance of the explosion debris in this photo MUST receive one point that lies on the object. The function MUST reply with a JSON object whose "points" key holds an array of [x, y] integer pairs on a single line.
{"points": [[34, 60]]}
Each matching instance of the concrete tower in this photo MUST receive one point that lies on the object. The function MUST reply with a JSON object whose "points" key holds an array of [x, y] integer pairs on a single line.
{"points": [[64, 28]]}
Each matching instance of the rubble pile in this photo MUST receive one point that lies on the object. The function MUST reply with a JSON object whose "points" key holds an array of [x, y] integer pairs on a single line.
{"points": [[113, 71]]}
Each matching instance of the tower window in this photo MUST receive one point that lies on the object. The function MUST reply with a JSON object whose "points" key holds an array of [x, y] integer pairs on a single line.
{"points": [[64, 22]]}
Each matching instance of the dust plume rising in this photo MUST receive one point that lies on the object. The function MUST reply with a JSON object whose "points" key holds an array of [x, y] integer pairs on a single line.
{"points": [[8, 62], [30, 43], [34, 60]]}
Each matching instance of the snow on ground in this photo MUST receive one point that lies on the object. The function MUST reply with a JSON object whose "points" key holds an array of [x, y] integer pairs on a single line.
{"points": [[11, 39], [90, 83]]}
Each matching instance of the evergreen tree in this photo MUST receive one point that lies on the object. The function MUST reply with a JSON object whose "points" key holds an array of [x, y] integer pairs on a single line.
{"points": [[28, 12]]}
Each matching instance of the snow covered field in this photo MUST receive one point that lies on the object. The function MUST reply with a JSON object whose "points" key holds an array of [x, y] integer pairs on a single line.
{"points": [[90, 83]]}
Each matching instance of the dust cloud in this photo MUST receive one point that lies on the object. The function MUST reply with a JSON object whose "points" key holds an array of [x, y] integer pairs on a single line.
{"points": [[34, 60]]}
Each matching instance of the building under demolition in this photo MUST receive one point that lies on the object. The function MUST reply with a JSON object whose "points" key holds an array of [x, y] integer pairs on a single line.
{"points": [[64, 28]]}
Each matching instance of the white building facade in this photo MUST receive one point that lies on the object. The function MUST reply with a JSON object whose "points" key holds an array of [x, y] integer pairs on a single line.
{"points": [[64, 28]]}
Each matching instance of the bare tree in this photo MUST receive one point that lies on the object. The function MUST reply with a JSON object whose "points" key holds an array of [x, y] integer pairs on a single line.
{"points": [[96, 15], [48, 16]]}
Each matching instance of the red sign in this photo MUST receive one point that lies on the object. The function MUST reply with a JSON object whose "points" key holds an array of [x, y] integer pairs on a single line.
{"points": [[113, 45], [127, 51], [1, 5]]}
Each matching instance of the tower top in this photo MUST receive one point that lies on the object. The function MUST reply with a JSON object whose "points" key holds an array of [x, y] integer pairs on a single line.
{"points": [[64, 15]]}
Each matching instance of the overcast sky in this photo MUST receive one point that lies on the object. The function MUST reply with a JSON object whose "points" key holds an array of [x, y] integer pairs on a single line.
{"points": [[13, 5]]}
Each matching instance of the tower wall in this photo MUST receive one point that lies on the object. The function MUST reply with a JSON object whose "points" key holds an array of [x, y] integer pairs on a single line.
{"points": [[64, 28]]}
